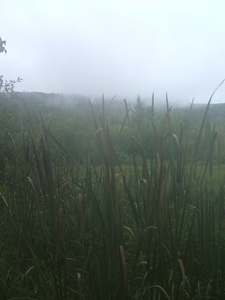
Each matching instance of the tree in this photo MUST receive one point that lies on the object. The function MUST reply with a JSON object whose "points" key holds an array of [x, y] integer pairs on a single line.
{"points": [[6, 86], [139, 113]]}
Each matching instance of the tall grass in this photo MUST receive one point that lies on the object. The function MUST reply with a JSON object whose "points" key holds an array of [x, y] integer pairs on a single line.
{"points": [[151, 230]]}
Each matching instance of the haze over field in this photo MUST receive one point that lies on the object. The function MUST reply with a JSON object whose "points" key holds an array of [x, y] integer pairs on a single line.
{"points": [[122, 48]]}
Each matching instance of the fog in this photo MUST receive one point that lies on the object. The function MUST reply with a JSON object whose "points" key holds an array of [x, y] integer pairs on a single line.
{"points": [[123, 48]]}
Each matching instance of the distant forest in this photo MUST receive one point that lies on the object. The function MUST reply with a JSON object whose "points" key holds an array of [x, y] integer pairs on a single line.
{"points": [[69, 120]]}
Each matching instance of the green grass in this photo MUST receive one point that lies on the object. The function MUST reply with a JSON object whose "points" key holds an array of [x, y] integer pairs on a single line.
{"points": [[153, 229]]}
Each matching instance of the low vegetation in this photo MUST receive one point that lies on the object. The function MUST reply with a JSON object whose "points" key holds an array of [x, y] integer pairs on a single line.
{"points": [[110, 201]]}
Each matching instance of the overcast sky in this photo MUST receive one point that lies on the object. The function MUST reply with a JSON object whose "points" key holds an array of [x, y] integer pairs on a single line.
{"points": [[124, 48]]}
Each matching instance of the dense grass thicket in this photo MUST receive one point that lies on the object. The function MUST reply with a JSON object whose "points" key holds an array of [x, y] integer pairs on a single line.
{"points": [[110, 201]]}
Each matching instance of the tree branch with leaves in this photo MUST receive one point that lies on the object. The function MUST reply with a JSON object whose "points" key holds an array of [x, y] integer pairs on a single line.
{"points": [[6, 86]]}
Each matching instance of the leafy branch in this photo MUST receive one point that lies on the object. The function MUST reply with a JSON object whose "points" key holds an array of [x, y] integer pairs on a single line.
{"points": [[6, 86]]}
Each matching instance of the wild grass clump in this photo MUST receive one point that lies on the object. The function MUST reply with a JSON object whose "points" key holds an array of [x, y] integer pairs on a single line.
{"points": [[152, 228]]}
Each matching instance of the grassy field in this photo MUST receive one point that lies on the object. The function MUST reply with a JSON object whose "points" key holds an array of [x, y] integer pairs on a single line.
{"points": [[153, 229]]}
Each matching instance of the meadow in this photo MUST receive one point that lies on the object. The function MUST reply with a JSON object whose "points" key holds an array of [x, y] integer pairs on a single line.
{"points": [[134, 208]]}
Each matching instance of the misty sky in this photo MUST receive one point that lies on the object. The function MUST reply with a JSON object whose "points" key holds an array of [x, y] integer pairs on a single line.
{"points": [[124, 48]]}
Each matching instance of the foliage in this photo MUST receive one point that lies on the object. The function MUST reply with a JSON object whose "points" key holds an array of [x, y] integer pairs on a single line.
{"points": [[6, 86], [2, 46]]}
